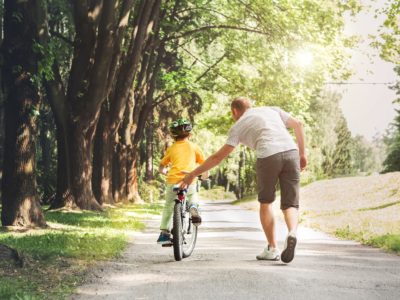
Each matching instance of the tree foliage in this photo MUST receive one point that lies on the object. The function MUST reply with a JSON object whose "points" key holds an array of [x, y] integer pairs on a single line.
{"points": [[113, 74], [389, 46]]}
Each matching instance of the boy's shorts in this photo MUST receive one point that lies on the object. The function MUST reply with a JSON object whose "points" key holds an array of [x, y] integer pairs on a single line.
{"points": [[284, 166]]}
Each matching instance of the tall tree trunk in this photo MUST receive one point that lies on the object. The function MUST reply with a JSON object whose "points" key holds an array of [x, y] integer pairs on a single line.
{"points": [[119, 173], [1, 102], [80, 150], [102, 159], [149, 175], [46, 154], [57, 99], [64, 196], [20, 202], [132, 186]]}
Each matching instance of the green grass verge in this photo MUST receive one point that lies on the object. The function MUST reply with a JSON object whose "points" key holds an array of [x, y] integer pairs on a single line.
{"points": [[245, 199], [57, 259], [390, 242], [217, 193]]}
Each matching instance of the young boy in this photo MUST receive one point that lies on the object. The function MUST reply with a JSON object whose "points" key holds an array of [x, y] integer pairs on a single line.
{"points": [[182, 156]]}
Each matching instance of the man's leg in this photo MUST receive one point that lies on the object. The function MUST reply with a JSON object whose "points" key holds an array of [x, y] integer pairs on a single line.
{"points": [[291, 215], [289, 180], [268, 223], [267, 170]]}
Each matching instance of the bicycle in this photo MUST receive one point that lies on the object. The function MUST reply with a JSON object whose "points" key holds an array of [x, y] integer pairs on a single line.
{"points": [[184, 233]]}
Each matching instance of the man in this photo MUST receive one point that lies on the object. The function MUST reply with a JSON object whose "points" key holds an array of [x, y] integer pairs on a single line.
{"points": [[278, 158]]}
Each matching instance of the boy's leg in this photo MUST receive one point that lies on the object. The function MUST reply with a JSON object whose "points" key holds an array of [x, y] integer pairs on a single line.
{"points": [[168, 208], [192, 202], [192, 196]]}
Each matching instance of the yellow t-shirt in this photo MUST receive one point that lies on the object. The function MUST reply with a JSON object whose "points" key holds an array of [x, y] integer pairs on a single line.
{"points": [[181, 156]]}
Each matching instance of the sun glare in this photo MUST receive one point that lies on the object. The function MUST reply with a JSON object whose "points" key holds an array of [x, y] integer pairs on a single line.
{"points": [[303, 58]]}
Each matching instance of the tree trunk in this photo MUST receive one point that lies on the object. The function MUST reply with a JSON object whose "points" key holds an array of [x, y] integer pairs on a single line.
{"points": [[149, 175], [20, 202], [80, 151], [64, 196], [1, 103], [46, 154], [119, 173], [102, 160], [132, 186]]}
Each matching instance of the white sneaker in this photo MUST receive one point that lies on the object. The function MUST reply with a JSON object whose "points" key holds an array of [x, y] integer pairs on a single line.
{"points": [[269, 253], [287, 254]]}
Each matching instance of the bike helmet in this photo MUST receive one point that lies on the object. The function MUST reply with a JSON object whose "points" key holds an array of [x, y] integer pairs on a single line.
{"points": [[180, 128]]}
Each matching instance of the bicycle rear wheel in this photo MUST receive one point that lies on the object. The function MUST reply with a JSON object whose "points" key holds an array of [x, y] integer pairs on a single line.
{"points": [[189, 232], [177, 239]]}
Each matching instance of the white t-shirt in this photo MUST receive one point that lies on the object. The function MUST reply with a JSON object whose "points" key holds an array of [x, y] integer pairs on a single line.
{"points": [[262, 129]]}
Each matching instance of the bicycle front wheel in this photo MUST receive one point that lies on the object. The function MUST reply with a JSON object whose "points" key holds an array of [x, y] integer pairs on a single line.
{"points": [[189, 232], [177, 239]]}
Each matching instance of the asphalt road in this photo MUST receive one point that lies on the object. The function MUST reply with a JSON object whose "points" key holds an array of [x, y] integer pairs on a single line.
{"points": [[223, 266]]}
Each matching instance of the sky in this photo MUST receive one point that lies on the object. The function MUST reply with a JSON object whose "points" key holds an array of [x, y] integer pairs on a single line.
{"points": [[368, 108]]}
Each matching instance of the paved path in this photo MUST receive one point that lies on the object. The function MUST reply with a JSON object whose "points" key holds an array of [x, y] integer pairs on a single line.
{"points": [[223, 266]]}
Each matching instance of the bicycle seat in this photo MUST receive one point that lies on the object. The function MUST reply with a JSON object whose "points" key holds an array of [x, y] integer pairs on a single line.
{"points": [[177, 188]]}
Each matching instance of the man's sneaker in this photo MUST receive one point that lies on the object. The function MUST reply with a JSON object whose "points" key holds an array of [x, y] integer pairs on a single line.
{"points": [[196, 219], [269, 253], [287, 254], [164, 238]]}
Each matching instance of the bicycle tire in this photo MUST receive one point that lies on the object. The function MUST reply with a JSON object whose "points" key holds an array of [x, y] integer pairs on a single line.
{"points": [[177, 239], [190, 242]]}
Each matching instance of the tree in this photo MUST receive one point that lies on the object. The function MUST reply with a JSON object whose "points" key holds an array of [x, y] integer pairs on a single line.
{"points": [[98, 61], [389, 44], [342, 160], [364, 157], [390, 50], [23, 24], [392, 161]]}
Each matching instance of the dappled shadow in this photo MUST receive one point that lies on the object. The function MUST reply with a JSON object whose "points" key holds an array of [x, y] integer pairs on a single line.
{"points": [[92, 219], [229, 229]]}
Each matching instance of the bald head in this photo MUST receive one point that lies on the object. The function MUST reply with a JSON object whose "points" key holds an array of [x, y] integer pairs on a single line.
{"points": [[239, 105]]}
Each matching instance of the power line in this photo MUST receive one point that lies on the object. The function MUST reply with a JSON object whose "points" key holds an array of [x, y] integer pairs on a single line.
{"points": [[361, 83]]}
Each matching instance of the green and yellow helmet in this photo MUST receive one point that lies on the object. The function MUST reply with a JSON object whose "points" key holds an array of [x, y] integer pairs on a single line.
{"points": [[180, 128]]}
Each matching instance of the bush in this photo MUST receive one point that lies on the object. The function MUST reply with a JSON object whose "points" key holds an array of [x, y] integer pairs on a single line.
{"points": [[150, 191]]}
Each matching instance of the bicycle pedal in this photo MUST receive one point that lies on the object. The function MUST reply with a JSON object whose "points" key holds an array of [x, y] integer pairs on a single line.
{"points": [[167, 245]]}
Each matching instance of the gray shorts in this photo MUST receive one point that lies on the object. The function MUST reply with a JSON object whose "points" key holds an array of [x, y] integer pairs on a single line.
{"points": [[284, 166]]}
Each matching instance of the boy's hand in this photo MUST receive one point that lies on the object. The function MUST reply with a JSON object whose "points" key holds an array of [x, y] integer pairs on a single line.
{"points": [[163, 170]]}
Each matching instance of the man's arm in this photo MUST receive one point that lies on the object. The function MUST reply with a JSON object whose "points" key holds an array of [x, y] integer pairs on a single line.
{"points": [[209, 163], [299, 133]]}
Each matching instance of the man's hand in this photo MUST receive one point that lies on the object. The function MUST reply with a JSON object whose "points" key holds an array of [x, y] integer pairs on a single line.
{"points": [[187, 180], [210, 162], [303, 162]]}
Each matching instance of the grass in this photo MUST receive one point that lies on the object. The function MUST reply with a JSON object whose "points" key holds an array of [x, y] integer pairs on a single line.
{"points": [[217, 193], [390, 242], [56, 259], [380, 206], [245, 199], [366, 209]]}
